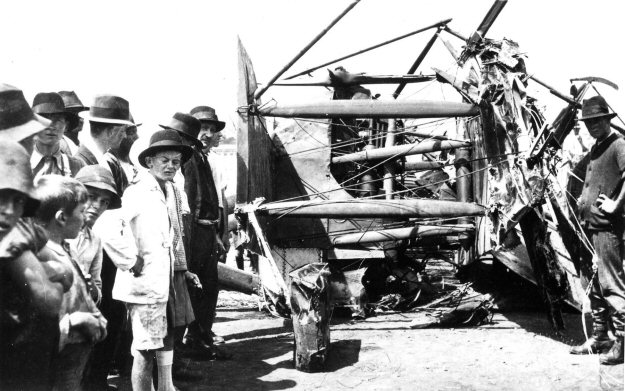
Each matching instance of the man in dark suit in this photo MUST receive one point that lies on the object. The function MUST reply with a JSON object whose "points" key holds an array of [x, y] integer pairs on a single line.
{"points": [[202, 235]]}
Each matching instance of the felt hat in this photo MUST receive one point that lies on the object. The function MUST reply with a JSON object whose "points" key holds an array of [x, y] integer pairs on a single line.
{"points": [[187, 125], [72, 103], [207, 114], [100, 178], [108, 109], [595, 107], [46, 103], [165, 140], [17, 174], [17, 120]]}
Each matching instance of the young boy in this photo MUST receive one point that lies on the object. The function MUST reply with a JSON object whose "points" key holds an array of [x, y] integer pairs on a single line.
{"points": [[30, 301], [87, 246], [61, 213]]}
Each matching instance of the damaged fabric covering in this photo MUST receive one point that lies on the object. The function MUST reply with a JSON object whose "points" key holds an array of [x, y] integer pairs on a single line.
{"points": [[462, 307], [516, 191], [311, 309]]}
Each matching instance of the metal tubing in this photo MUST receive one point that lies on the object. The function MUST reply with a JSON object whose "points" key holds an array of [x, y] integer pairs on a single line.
{"points": [[356, 208], [419, 231], [423, 166], [418, 61], [441, 23], [262, 90], [361, 79], [371, 109], [389, 167], [400, 150]]}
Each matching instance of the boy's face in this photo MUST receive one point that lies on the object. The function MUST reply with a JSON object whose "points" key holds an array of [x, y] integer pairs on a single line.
{"points": [[11, 209], [74, 221], [99, 201], [53, 134]]}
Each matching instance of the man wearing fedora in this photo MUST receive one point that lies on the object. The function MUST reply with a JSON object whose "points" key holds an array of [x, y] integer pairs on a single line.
{"points": [[600, 212], [152, 209], [108, 117], [73, 106], [202, 234], [122, 153], [210, 136], [47, 157]]}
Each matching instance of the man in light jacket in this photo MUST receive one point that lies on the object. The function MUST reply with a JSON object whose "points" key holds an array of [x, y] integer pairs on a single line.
{"points": [[146, 286]]}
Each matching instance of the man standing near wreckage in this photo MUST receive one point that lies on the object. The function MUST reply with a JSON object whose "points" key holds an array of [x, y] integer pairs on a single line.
{"points": [[600, 210]]}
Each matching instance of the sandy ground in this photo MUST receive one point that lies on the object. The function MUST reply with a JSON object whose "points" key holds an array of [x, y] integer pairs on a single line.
{"points": [[516, 351]]}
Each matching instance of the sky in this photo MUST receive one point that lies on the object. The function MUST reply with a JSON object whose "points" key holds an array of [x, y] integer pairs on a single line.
{"points": [[166, 56]]}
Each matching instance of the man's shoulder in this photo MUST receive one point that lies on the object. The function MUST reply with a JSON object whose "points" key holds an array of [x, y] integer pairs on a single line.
{"points": [[85, 155]]}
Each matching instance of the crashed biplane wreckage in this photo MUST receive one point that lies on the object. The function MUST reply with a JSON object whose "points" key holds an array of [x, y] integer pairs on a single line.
{"points": [[373, 189]]}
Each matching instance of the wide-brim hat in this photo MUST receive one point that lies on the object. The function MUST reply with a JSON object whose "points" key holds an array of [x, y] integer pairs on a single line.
{"points": [[100, 178], [18, 175], [595, 107], [46, 103], [165, 140], [17, 120], [187, 126], [72, 102], [207, 114], [108, 109]]}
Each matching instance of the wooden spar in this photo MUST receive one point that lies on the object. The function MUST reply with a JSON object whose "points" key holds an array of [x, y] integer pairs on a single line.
{"points": [[238, 280], [455, 33], [360, 80], [418, 231], [371, 109], [425, 135], [418, 61], [356, 208], [307, 71], [555, 92], [490, 18], [400, 150], [389, 167], [262, 90], [422, 166]]}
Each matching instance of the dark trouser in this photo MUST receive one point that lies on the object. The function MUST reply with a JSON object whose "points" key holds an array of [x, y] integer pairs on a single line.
{"points": [[27, 357], [607, 295], [203, 262], [115, 312]]}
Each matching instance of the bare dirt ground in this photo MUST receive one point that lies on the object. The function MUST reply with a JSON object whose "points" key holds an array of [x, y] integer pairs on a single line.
{"points": [[516, 351]]}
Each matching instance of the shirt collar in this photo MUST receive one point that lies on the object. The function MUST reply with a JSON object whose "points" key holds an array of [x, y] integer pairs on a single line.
{"points": [[37, 156]]}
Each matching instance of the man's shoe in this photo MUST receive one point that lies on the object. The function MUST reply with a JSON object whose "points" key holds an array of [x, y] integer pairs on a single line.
{"points": [[217, 339], [184, 372], [615, 355], [593, 345]]}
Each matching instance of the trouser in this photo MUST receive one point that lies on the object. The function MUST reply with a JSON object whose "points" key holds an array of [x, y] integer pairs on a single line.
{"points": [[26, 361], [203, 262], [70, 366], [115, 313], [607, 293]]}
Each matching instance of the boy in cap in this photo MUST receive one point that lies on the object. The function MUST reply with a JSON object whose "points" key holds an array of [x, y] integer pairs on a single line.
{"points": [[61, 213], [600, 211], [47, 157], [30, 300], [88, 248]]}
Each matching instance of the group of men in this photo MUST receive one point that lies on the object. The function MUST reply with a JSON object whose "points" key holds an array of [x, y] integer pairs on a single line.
{"points": [[91, 243]]}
